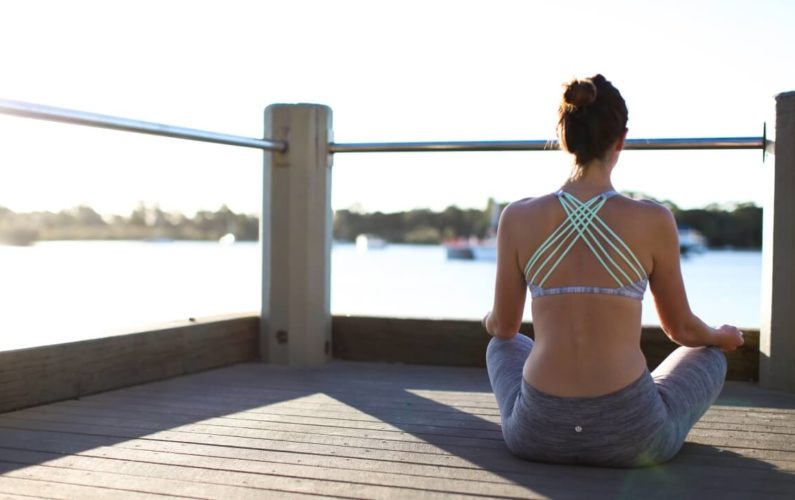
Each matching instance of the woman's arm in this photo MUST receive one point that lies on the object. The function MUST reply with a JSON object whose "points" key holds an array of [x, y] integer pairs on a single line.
{"points": [[510, 289], [676, 318]]}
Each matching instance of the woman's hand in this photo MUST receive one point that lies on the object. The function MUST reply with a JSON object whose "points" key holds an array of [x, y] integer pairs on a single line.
{"points": [[728, 338], [485, 322], [489, 323]]}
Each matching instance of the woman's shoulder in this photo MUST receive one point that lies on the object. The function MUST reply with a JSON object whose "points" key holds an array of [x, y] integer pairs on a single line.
{"points": [[530, 204], [647, 217], [519, 211], [647, 208]]}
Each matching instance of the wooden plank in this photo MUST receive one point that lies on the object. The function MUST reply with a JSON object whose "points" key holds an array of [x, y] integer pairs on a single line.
{"points": [[50, 373], [751, 395], [299, 442], [265, 475], [396, 397], [8, 496], [80, 480], [400, 402], [392, 376], [750, 427], [317, 404], [38, 488], [308, 434], [463, 343], [387, 432], [416, 341], [363, 418], [452, 417]]}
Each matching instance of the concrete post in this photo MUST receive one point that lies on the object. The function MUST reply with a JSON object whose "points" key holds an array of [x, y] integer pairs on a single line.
{"points": [[777, 331], [296, 237]]}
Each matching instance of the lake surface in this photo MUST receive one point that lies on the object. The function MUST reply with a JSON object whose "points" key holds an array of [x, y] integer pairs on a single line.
{"points": [[56, 292], [415, 281]]}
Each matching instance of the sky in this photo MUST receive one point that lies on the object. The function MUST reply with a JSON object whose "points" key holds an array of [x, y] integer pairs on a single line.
{"points": [[391, 71]]}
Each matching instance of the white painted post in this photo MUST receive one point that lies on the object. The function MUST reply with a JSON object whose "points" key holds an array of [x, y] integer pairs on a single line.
{"points": [[777, 332], [296, 237]]}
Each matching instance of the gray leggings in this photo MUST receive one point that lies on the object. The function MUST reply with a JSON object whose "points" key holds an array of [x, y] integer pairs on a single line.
{"points": [[642, 424]]}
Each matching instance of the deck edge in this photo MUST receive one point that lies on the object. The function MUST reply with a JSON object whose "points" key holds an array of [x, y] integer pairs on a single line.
{"points": [[39, 375]]}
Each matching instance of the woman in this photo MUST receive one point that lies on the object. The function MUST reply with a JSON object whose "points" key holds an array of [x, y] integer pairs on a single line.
{"points": [[580, 392]]}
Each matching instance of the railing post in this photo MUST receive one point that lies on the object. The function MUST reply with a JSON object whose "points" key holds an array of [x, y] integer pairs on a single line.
{"points": [[296, 237], [777, 331]]}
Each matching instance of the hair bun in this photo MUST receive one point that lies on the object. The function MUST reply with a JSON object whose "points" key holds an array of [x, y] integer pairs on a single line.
{"points": [[580, 93]]}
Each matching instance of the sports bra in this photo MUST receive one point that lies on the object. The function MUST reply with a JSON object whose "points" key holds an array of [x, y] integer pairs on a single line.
{"points": [[583, 222]]}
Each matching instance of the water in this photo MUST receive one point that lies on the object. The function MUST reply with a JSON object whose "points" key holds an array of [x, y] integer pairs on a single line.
{"points": [[415, 281], [63, 291], [56, 292]]}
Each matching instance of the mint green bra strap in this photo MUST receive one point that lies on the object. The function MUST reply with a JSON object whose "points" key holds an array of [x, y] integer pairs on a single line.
{"points": [[582, 221], [562, 233], [634, 265], [583, 228], [582, 215], [551, 239]]}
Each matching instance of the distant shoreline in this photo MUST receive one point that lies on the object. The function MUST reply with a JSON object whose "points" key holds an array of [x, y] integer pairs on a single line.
{"points": [[144, 223], [737, 227]]}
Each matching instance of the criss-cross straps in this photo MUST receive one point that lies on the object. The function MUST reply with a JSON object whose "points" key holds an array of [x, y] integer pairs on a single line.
{"points": [[582, 222]]}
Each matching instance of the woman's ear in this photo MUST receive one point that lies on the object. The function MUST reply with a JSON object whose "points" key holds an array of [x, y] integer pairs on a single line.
{"points": [[620, 142]]}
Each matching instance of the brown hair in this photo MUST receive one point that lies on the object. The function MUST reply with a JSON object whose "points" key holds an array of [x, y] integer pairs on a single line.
{"points": [[591, 118]]}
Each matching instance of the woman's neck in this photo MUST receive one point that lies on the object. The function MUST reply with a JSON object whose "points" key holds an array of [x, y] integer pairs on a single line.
{"points": [[589, 179]]}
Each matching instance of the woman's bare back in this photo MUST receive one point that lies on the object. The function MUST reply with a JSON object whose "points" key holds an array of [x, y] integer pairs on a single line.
{"points": [[586, 344]]}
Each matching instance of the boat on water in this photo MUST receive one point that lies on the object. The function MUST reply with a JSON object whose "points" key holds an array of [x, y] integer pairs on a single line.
{"points": [[691, 241], [472, 249], [18, 236], [227, 239], [365, 242]]}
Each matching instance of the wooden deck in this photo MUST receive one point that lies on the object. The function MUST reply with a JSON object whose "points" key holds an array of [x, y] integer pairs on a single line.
{"points": [[358, 430]]}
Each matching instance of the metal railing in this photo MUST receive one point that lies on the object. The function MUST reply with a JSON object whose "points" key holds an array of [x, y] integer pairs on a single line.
{"points": [[641, 144], [49, 113], [43, 112]]}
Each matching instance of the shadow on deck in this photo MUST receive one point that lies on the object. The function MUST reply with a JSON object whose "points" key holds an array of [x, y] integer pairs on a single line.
{"points": [[351, 429]]}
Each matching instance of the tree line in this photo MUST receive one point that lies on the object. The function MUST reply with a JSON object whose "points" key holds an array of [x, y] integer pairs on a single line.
{"points": [[739, 226], [143, 223], [420, 226]]}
